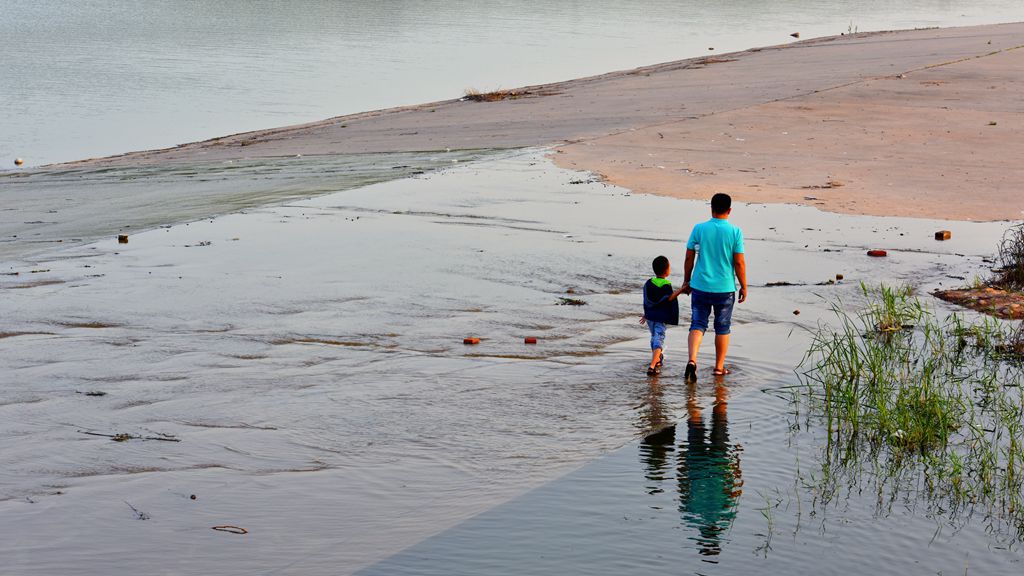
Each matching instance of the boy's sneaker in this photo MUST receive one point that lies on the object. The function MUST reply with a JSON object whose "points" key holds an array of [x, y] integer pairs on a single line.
{"points": [[655, 370], [691, 372]]}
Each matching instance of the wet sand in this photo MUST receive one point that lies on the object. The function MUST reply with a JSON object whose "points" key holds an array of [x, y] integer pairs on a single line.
{"points": [[914, 123]]}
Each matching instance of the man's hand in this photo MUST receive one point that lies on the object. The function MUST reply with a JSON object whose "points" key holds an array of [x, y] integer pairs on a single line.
{"points": [[743, 295], [685, 288]]}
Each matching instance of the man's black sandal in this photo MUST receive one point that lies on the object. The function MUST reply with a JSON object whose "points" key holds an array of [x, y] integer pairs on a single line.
{"points": [[691, 372]]}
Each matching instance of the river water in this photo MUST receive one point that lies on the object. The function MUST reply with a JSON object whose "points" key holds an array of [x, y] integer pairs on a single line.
{"points": [[101, 77], [300, 369]]}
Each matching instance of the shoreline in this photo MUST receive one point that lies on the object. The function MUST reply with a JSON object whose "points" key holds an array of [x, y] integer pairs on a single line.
{"points": [[611, 123]]}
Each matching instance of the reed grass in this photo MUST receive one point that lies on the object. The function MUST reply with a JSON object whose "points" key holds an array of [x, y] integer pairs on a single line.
{"points": [[1011, 259], [912, 400]]}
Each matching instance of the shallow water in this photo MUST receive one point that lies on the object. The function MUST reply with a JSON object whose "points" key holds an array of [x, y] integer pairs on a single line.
{"points": [[39, 209], [726, 490], [101, 77], [309, 358]]}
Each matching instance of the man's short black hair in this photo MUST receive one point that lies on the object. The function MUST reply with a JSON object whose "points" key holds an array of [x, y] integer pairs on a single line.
{"points": [[720, 203], [660, 265]]}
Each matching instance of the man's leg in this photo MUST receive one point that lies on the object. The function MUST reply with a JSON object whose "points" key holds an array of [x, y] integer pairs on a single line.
{"points": [[693, 343], [700, 311], [723, 327], [721, 347]]}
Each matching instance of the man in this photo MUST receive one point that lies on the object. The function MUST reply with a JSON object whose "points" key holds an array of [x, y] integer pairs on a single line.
{"points": [[714, 260]]}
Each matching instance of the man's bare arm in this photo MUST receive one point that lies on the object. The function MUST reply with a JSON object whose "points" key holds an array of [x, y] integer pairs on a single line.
{"points": [[691, 257], [739, 263]]}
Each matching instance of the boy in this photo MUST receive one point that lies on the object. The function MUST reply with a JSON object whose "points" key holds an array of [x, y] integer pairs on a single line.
{"points": [[713, 283], [660, 308]]}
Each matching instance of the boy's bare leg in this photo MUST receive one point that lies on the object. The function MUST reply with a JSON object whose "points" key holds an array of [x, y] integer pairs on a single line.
{"points": [[655, 356], [693, 343], [721, 347]]}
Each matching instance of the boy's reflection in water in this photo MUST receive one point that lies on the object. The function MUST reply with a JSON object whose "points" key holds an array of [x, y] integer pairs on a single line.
{"points": [[707, 469], [658, 446]]}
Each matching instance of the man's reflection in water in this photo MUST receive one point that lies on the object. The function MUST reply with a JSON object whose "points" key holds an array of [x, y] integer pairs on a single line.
{"points": [[707, 469]]}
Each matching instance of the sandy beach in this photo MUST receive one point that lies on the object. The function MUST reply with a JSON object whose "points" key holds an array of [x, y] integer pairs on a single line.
{"points": [[278, 345], [854, 124]]}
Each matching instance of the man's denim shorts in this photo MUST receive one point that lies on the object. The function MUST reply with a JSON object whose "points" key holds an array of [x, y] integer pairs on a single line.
{"points": [[657, 334], [701, 304]]}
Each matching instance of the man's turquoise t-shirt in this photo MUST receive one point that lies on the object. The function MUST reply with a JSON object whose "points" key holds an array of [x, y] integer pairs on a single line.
{"points": [[715, 242]]}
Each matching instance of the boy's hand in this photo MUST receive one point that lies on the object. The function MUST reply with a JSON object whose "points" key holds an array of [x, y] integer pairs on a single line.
{"points": [[685, 288], [643, 319]]}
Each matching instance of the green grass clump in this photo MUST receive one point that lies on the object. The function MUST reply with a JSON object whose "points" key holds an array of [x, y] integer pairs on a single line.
{"points": [[885, 373], [902, 392]]}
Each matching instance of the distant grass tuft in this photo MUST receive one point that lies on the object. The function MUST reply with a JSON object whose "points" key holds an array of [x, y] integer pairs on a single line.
{"points": [[1011, 259], [492, 96]]}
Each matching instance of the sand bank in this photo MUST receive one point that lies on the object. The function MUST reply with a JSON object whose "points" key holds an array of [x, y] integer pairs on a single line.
{"points": [[902, 120]]}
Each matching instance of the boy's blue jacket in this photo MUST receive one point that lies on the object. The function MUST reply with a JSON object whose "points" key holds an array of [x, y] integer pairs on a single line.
{"points": [[657, 306]]}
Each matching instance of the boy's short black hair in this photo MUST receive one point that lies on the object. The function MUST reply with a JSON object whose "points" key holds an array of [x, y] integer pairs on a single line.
{"points": [[660, 265], [720, 203]]}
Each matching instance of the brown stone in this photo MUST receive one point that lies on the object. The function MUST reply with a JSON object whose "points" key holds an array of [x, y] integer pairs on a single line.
{"points": [[839, 277], [943, 235], [530, 340], [796, 312], [122, 239], [470, 340], [877, 253]]}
